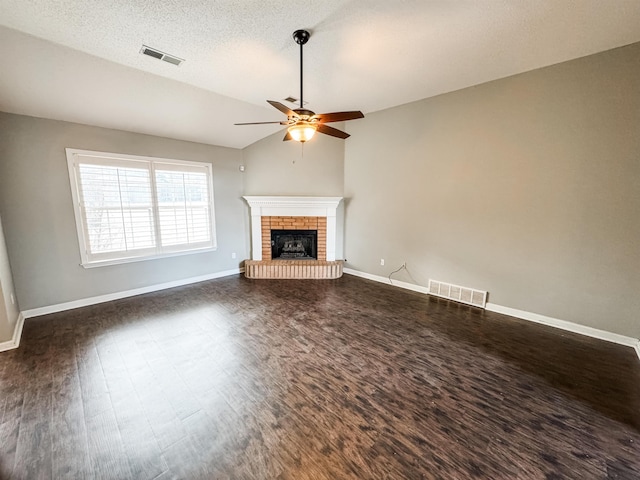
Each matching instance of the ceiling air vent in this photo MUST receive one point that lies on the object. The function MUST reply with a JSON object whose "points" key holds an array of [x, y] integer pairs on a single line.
{"points": [[165, 57], [293, 100]]}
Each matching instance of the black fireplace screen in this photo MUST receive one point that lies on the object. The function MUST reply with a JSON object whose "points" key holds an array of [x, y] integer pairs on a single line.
{"points": [[294, 244]]}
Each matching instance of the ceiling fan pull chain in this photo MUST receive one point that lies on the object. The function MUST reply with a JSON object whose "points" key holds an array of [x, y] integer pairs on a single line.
{"points": [[301, 152]]}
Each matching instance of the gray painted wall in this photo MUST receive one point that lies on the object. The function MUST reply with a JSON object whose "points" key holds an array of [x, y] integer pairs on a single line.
{"points": [[274, 167], [528, 187], [37, 212]]}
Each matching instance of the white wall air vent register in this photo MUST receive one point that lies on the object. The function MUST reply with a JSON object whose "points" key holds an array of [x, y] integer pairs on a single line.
{"points": [[470, 296]]}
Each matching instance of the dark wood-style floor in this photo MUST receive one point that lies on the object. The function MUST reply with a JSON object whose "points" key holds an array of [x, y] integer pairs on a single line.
{"points": [[336, 379]]}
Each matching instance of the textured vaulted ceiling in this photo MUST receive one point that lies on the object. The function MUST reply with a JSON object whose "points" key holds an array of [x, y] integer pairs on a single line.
{"points": [[79, 60]]}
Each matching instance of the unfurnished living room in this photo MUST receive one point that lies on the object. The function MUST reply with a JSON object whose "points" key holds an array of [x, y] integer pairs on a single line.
{"points": [[320, 240]]}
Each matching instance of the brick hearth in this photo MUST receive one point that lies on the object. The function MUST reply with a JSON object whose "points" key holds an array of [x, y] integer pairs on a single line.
{"points": [[299, 269]]}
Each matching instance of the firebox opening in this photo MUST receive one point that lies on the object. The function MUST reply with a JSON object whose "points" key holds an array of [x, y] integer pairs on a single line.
{"points": [[294, 244]]}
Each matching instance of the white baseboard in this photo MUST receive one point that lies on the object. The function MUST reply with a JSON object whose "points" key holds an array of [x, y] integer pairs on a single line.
{"points": [[524, 315], [17, 334], [564, 325], [83, 302], [396, 283]]}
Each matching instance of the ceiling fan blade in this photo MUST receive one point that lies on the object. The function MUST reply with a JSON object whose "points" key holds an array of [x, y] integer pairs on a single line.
{"points": [[339, 116], [287, 137], [283, 108], [334, 132], [260, 123]]}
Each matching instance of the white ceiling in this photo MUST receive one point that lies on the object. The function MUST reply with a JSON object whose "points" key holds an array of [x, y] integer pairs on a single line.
{"points": [[79, 61]]}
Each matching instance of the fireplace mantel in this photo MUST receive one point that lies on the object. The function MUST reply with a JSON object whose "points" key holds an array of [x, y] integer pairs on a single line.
{"points": [[267, 206]]}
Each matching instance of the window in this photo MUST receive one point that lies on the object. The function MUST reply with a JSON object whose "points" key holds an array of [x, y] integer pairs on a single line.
{"points": [[131, 208]]}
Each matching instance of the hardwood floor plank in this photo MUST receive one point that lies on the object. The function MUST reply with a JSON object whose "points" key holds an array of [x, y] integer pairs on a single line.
{"points": [[95, 394], [33, 457], [160, 415], [106, 449], [10, 430], [70, 454], [138, 439]]}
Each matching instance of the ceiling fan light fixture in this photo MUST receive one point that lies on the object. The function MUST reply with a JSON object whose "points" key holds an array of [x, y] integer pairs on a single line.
{"points": [[302, 131], [303, 123]]}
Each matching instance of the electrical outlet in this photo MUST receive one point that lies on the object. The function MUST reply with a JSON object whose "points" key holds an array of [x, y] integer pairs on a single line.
{"points": [[382, 262], [233, 254]]}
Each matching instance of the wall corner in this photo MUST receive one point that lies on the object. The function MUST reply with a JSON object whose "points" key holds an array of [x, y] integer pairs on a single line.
{"points": [[17, 335]]}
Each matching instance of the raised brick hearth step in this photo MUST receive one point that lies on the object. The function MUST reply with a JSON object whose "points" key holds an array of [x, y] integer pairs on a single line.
{"points": [[302, 269]]}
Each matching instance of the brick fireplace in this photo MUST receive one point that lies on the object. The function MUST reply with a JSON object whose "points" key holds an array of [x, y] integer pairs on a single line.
{"points": [[293, 214]]}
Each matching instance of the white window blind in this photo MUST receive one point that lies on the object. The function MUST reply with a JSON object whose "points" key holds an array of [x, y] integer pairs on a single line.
{"points": [[131, 208]]}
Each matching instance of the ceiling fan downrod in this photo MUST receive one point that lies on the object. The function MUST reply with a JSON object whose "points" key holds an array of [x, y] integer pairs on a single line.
{"points": [[301, 37]]}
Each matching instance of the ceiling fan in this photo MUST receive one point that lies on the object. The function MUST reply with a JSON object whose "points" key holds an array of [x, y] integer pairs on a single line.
{"points": [[302, 123]]}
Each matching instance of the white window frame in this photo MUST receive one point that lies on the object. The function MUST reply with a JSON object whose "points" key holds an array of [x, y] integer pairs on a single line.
{"points": [[89, 260]]}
